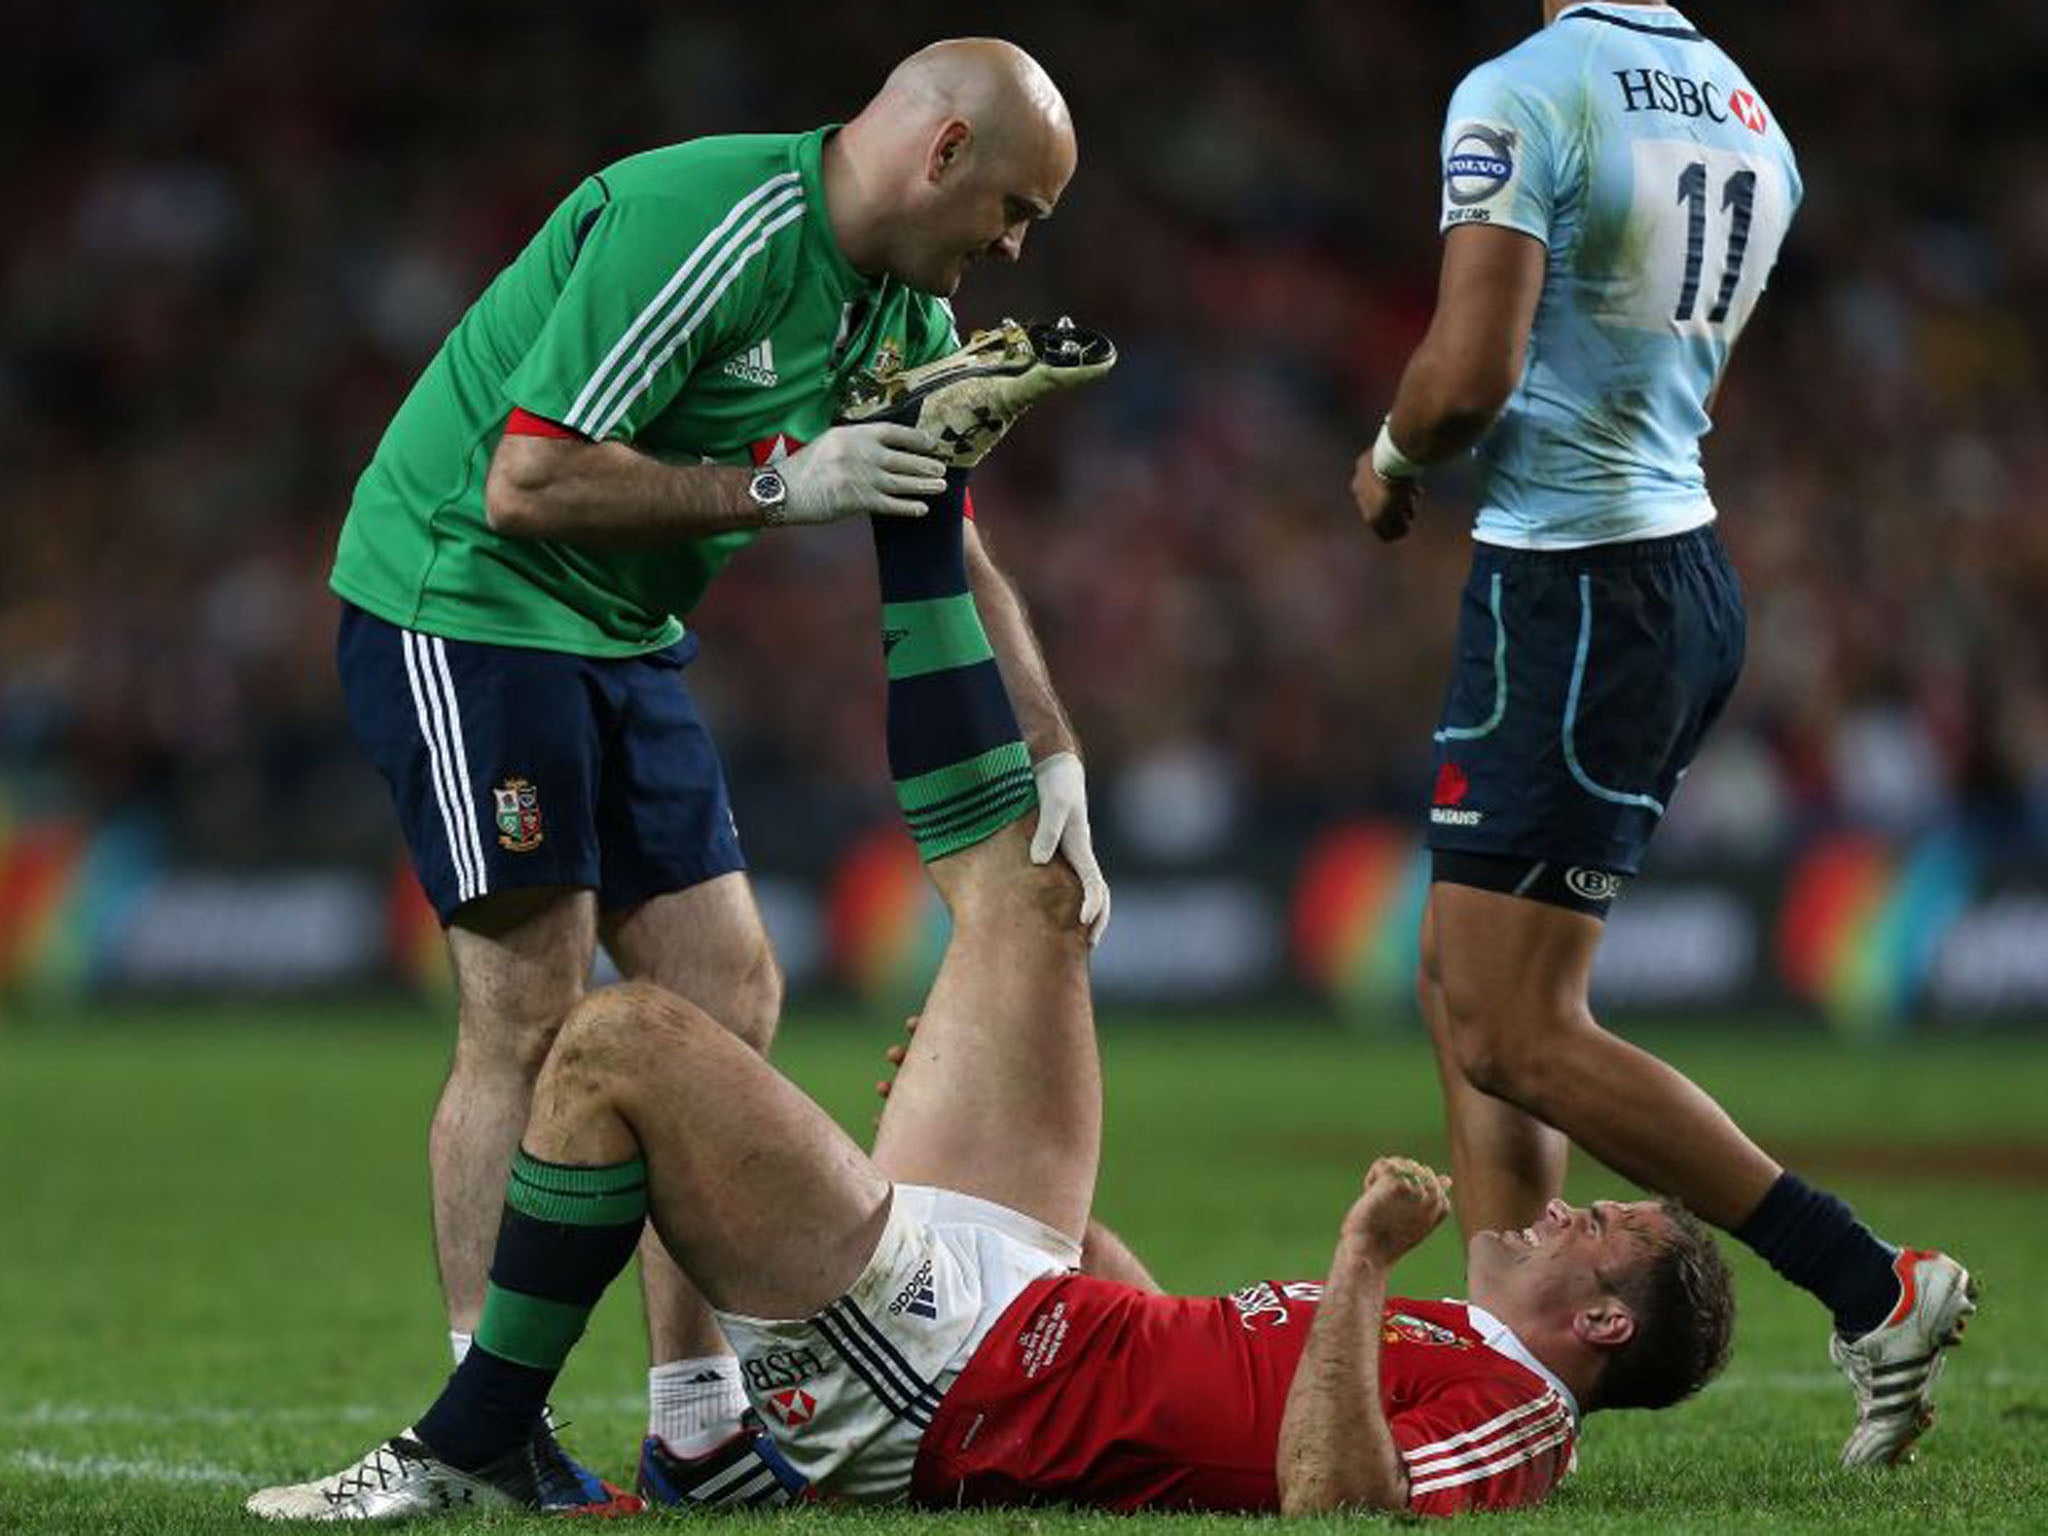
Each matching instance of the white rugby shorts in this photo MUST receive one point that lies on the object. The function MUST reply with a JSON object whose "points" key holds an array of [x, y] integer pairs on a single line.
{"points": [[849, 1392]]}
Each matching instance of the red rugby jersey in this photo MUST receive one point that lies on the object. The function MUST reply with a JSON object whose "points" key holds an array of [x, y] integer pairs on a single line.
{"points": [[1092, 1392]]}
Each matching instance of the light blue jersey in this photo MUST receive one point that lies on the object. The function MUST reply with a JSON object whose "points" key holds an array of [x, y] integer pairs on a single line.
{"points": [[1661, 183]]}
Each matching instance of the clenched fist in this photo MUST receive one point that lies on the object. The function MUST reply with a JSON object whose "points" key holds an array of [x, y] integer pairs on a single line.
{"points": [[1403, 1202]]}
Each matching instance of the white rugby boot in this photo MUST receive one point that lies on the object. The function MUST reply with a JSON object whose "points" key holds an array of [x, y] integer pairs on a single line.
{"points": [[398, 1480], [403, 1480], [1893, 1367]]}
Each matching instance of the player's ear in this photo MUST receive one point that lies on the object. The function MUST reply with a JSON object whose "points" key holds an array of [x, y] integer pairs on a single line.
{"points": [[948, 151], [1608, 1323]]}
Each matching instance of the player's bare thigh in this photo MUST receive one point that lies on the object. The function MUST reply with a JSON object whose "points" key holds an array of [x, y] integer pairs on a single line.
{"points": [[1506, 963], [522, 959], [763, 1201], [708, 943], [1001, 1094]]}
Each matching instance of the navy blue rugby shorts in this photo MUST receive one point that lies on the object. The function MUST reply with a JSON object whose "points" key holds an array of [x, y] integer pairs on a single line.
{"points": [[512, 767], [1584, 683]]}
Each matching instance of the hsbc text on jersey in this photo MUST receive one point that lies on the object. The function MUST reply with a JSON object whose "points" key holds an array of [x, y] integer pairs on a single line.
{"points": [[1652, 90]]}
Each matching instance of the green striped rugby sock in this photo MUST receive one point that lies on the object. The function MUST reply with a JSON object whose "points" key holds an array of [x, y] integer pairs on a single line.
{"points": [[565, 1235], [958, 760], [953, 808], [581, 1196]]}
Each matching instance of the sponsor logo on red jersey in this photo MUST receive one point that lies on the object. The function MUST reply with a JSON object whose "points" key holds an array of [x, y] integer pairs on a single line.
{"points": [[1265, 1304], [1403, 1328]]}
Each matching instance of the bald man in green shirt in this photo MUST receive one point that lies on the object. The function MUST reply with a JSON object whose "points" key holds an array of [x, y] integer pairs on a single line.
{"points": [[648, 386]]}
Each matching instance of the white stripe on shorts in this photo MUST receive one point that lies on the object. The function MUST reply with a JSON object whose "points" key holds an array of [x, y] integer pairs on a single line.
{"points": [[466, 801], [450, 793]]}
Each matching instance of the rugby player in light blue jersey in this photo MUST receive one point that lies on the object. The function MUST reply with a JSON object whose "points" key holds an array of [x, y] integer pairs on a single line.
{"points": [[1615, 191]]}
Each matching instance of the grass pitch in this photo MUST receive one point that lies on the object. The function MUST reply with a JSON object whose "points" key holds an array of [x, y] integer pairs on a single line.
{"points": [[215, 1270]]}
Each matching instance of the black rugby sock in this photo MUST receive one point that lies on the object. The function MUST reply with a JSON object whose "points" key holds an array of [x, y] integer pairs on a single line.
{"points": [[1814, 1240], [566, 1234]]}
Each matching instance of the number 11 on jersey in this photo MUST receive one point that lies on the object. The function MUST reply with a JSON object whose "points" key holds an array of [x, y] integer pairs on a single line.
{"points": [[1707, 223], [1738, 193]]}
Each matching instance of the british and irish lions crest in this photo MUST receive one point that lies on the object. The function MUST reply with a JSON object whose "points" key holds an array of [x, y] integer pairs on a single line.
{"points": [[518, 815]]}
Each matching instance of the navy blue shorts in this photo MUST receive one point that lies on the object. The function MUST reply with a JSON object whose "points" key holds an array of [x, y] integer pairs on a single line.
{"points": [[514, 767], [1585, 680]]}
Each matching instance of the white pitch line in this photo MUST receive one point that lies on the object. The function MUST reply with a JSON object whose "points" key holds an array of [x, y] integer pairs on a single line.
{"points": [[48, 1415], [82, 1415], [1955, 1384], [158, 1469], [143, 1469]]}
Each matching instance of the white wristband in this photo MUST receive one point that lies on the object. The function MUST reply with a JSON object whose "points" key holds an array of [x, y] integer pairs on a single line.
{"points": [[1389, 462]]}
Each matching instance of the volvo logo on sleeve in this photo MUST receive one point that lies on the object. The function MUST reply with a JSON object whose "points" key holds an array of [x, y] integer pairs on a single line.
{"points": [[1594, 884], [1481, 162]]}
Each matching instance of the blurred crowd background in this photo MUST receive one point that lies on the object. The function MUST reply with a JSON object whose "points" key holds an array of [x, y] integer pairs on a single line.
{"points": [[237, 232]]}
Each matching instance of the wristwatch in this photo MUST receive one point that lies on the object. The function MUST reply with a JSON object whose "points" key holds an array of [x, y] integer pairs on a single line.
{"points": [[770, 492]]}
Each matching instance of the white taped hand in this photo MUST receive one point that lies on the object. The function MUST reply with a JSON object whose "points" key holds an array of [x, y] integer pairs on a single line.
{"points": [[871, 469], [1063, 829]]}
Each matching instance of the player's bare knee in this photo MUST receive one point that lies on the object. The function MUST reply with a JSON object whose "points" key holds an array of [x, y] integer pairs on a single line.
{"points": [[1484, 1063], [1429, 971], [995, 881], [511, 1029], [607, 1034], [1429, 998], [1429, 980], [1511, 1055], [1480, 1032], [757, 1000], [583, 1053], [496, 1044], [1049, 893]]}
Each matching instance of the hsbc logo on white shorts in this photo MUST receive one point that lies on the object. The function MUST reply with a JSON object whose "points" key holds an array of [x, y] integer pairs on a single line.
{"points": [[781, 1368], [793, 1408]]}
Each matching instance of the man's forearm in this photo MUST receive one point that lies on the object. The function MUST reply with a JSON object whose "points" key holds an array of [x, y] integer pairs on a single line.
{"points": [[1046, 727], [1470, 361], [1437, 411], [1337, 1450], [608, 493]]}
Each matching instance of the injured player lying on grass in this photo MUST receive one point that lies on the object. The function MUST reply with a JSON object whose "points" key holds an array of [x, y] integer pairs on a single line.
{"points": [[940, 1321], [916, 1323], [919, 1322]]}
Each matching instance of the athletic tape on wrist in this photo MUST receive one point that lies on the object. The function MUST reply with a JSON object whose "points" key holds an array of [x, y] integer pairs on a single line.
{"points": [[1389, 462]]}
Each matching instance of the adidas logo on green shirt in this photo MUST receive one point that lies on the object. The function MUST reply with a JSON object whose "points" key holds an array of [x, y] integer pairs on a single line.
{"points": [[756, 365]]}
